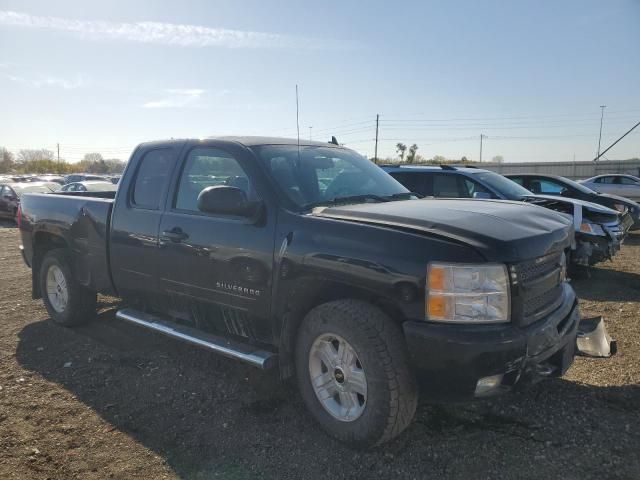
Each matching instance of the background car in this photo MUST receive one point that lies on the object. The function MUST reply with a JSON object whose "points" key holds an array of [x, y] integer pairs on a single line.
{"points": [[10, 194], [559, 186], [626, 186], [600, 231], [81, 177], [90, 186]]}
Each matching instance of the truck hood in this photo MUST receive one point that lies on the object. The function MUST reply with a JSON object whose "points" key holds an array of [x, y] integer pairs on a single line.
{"points": [[501, 231]]}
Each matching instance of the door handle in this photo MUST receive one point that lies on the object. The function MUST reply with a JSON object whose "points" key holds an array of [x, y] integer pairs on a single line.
{"points": [[175, 235]]}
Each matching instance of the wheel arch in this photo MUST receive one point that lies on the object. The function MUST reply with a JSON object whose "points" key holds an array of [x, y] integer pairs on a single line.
{"points": [[43, 242], [306, 294]]}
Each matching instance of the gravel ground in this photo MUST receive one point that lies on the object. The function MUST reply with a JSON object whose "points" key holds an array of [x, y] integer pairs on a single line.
{"points": [[108, 400]]}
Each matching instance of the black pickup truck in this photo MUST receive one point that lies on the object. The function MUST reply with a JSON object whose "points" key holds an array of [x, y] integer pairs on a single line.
{"points": [[310, 259]]}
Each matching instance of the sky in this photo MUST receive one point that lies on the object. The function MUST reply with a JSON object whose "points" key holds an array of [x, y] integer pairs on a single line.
{"points": [[529, 75]]}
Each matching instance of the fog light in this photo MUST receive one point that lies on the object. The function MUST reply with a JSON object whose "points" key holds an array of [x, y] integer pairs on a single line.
{"points": [[487, 384]]}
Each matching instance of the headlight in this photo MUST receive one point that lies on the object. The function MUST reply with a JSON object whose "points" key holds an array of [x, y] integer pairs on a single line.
{"points": [[591, 228], [619, 207], [463, 293]]}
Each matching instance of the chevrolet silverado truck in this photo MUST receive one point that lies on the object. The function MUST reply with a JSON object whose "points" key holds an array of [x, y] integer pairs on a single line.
{"points": [[309, 259], [599, 231]]}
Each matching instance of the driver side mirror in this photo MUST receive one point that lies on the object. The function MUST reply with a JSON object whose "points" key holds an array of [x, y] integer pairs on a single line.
{"points": [[482, 195], [226, 200]]}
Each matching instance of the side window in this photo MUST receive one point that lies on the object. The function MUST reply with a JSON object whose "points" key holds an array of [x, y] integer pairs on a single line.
{"points": [[546, 187], [207, 167], [518, 180], [151, 178], [627, 181], [415, 182], [606, 180], [446, 186], [470, 187]]}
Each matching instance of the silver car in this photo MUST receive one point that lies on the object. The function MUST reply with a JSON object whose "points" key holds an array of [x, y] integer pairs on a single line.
{"points": [[617, 184]]}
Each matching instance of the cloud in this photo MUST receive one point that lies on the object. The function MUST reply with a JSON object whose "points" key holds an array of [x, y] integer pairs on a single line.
{"points": [[163, 33], [178, 98], [48, 81]]}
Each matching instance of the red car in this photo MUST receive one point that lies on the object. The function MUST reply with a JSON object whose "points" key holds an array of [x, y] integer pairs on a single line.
{"points": [[10, 194]]}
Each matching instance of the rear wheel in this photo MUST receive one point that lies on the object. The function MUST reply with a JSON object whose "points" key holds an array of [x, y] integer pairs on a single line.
{"points": [[353, 373], [68, 303]]}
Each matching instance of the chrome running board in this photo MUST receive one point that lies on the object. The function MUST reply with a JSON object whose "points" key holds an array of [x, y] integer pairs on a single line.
{"points": [[229, 348]]}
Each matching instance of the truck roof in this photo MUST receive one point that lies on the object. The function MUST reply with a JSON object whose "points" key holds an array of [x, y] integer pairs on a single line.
{"points": [[248, 141]]}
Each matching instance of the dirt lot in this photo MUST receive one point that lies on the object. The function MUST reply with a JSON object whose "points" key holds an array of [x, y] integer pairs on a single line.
{"points": [[108, 400]]}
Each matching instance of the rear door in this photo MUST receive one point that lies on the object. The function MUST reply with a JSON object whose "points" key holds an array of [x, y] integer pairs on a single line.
{"points": [[217, 269], [606, 184], [134, 254]]}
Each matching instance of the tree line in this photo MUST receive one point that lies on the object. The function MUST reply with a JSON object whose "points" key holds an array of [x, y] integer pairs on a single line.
{"points": [[44, 161], [410, 155]]}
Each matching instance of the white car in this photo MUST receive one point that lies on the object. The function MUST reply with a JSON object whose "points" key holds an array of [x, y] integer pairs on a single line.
{"points": [[617, 184]]}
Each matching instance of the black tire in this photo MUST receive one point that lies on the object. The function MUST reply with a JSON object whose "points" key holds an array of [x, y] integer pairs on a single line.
{"points": [[379, 344], [81, 303]]}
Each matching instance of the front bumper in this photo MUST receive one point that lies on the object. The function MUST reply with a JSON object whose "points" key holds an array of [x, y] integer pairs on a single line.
{"points": [[448, 360]]}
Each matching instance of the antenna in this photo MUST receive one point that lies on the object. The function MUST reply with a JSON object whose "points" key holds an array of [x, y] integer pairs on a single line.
{"points": [[298, 122]]}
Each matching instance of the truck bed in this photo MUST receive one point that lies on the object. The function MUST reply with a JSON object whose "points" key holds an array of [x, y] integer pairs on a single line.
{"points": [[82, 221]]}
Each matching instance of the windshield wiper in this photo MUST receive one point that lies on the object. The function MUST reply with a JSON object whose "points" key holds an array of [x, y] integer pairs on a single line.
{"points": [[349, 199], [402, 195]]}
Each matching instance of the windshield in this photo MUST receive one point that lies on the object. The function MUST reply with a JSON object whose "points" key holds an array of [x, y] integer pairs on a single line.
{"points": [[323, 175], [502, 185]]}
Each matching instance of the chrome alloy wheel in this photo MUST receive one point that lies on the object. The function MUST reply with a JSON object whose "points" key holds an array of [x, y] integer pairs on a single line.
{"points": [[337, 377], [57, 290]]}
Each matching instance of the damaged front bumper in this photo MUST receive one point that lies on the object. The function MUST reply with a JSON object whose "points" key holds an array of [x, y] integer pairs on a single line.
{"points": [[592, 248], [467, 361]]}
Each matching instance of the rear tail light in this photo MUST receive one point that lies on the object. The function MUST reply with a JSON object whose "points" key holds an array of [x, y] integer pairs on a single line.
{"points": [[19, 216]]}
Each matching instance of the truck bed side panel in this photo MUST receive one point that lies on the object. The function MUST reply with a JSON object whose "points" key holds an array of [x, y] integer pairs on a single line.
{"points": [[82, 223]]}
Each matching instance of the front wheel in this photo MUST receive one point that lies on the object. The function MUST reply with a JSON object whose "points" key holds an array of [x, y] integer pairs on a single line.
{"points": [[68, 303], [353, 374]]}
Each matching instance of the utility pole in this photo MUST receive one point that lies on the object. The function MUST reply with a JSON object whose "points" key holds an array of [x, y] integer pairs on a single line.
{"points": [[310, 132], [602, 107], [58, 145], [611, 146], [375, 155], [481, 137]]}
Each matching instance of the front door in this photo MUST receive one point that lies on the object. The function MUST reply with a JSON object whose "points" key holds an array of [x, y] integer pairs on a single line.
{"points": [[217, 268]]}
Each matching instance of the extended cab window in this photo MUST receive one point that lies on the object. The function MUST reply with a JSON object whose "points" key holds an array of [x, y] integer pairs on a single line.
{"points": [[208, 167], [151, 179]]}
